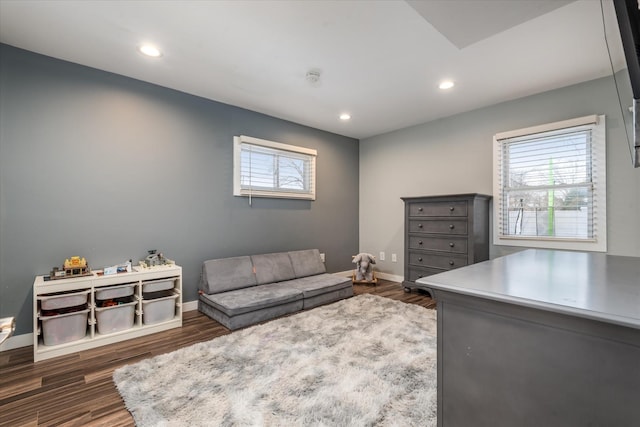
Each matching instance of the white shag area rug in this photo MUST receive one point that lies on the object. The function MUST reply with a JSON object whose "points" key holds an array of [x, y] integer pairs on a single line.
{"points": [[363, 361]]}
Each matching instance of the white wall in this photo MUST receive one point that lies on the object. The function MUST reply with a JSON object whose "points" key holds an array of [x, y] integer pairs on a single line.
{"points": [[454, 155]]}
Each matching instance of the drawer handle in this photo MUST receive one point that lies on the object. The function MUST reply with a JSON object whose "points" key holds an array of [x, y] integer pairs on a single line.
{"points": [[420, 242], [451, 244], [419, 225], [420, 259], [451, 208], [451, 226], [419, 209], [450, 262]]}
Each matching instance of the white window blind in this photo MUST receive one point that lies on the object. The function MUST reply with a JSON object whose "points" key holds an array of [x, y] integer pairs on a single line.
{"points": [[550, 186], [271, 169]]}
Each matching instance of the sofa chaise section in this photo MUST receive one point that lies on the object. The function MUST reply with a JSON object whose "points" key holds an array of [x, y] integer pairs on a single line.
{"points": [[243, 307], [321, 289]]}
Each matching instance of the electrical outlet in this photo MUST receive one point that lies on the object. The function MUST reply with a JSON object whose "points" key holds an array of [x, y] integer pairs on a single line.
{"points": [[322, 257], [394, 258], [381, 256]]}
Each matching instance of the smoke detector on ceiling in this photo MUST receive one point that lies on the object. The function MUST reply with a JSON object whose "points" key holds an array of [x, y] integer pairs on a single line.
{"points": [[313, 77]]}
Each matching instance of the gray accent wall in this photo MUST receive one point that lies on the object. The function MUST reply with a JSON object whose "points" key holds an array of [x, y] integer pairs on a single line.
{"points": [[106, 167], [454, 155]]}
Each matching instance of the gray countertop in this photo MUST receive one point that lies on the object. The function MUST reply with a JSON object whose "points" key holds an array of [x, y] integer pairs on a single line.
{"points": [[591, 285]]}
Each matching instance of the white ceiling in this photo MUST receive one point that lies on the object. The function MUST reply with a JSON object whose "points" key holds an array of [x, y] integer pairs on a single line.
{"points": [[380, 61]]}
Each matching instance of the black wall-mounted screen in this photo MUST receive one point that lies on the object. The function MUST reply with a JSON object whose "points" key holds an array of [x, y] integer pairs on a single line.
{"points": [[628, 15]]}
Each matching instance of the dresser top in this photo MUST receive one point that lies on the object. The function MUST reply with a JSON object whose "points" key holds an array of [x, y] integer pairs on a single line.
{"points": [[590, 285], [447, 196]]}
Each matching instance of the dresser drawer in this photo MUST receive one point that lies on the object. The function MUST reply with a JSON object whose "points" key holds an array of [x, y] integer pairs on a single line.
{"points": [[418, 273], [447, 226], [431, 260], [444, 244], [458, 208]]}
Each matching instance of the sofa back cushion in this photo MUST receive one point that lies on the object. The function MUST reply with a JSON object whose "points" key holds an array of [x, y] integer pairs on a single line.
{"points": [[227, 274], [307, 263], [270, 268]]}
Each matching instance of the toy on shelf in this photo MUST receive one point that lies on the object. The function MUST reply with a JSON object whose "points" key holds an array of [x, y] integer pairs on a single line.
{"points": [[73, 267], [125, 267], [364, 273], [155, 259]]}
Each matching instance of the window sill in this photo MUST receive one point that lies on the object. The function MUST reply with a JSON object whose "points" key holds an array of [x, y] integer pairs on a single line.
{"points": [[555, 243]]}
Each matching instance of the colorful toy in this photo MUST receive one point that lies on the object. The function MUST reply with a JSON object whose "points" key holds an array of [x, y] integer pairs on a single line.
{"points": [[73, 267]]}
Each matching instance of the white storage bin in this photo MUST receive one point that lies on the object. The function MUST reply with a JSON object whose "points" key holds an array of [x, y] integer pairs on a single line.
{"points": [[111, 292], [159, 309], [158, 285], [63, 328], [156, 295], [63, 300], [115, 318]]}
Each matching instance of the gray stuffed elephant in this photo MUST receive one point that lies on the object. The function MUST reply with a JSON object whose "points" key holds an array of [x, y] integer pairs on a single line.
{"points": [[364, 267]]}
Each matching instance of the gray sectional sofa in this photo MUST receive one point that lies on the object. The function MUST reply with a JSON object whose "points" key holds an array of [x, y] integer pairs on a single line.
{"points": [[242, 291]]}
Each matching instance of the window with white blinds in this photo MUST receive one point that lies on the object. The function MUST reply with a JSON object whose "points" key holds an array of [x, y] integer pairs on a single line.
{"points": [[549, 186], [271, 169]]}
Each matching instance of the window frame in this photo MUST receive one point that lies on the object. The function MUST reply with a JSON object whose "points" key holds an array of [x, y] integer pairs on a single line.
{"points": [[242, 191], [598, 243]]}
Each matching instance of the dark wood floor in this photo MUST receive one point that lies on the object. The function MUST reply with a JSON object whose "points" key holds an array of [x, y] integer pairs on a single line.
{"points": [[77, 390]]}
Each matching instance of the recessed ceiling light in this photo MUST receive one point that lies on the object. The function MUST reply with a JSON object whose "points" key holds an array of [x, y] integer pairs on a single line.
{"points": [[150, 50], [345, 116], [447, 84]]}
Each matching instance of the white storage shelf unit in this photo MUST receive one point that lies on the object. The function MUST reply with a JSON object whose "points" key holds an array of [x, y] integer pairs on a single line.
{"points": [[71, 314]]}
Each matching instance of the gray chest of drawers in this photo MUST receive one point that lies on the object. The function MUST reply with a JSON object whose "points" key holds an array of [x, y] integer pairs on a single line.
{"points": [[443, 233]]}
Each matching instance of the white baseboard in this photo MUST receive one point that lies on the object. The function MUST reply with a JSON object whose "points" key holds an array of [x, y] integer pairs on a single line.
{"points": [[190, 305], [391, 277], [17, 341]]}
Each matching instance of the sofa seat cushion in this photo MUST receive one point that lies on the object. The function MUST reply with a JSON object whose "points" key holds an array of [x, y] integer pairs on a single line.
{"points": [[271, 268], [245, 300], [307, 262], [311, 286], [227, 274]]}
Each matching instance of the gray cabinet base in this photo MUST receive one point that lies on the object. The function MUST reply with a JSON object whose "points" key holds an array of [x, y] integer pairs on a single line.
{"points": [[505, 365]]}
